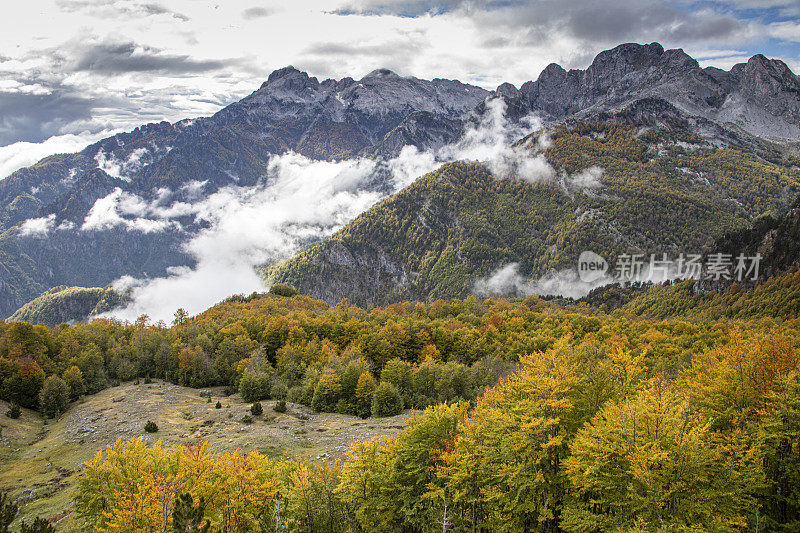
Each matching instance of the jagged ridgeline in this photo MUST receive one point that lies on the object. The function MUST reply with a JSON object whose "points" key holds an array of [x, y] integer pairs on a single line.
{"points": [[647, 149]]}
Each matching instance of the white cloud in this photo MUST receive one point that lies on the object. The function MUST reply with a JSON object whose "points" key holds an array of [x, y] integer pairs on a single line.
{"points": [[493, 140], [37, 227], [507, 281], [303, 200], [23, 154], [587, 179], [410, 164], [107, 213]]}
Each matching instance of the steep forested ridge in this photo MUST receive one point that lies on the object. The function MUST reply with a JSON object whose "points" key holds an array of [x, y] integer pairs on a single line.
{"points": [[663, 189]]}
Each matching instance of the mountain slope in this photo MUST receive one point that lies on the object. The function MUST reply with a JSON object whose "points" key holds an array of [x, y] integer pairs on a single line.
{"points": [[46, 238], [63, 304], [663, 189], [179, 164]]}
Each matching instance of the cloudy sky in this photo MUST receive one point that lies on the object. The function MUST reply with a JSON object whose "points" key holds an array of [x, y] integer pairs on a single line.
{"points": [[72, 71]]}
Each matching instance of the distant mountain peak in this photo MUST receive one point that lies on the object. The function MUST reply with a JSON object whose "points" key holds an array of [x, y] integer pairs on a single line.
{"points": [[382, 73], [290, 79], [288, 71], [761, 97]]}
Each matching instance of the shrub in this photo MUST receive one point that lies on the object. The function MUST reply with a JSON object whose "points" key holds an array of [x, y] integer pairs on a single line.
{"points": [[279, 391], [386, 401], [147, 380], [74, 378], [256, 409], [297, 394], [247, 419], [39, 525], [189, 517], [281, 289], [8, 511], [365, 390], [151, 427], [280, 406], [254, 387], [326, 393], [14, 411], [218, 406], [54, 397]]}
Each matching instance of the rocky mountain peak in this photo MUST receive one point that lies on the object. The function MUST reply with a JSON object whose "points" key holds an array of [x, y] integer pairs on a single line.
{"points": [[629, 55], [382, 73], [552, 72], [507, 91], [290, 79], [285, 72], [761, 67]]}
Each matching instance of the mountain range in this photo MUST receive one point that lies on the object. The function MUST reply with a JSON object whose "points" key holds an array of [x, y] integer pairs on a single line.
{"points": [[644, 150]]}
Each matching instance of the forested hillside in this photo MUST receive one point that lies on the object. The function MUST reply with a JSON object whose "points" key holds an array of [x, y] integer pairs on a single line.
{"points": [[661, 188], [596, 419], [63, 304]]}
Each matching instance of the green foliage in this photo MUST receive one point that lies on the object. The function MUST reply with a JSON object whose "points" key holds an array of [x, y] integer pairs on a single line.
{"points": [[781, 493], [25, 380], [778, 296], [39, 525], [247, 419], [281, 289], [218, 405], [14, 411], [254, 387], [326, 392], [386, 400], [54, 397], [279, 391], [280, 406], [74, 379], [364, 394], [256, 409], [188, 518], [151, 427], [8, 512]]}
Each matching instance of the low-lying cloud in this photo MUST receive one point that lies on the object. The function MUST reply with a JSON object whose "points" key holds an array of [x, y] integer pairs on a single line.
{"points": [[24, 154], [507, 281], [300, 201], [37, 227]]}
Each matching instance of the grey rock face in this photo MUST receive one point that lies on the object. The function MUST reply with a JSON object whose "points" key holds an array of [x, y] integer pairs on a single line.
{"points": [[762, 96]]}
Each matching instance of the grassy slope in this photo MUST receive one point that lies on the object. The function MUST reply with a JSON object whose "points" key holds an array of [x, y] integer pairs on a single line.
{"points": [[46, 457]]}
